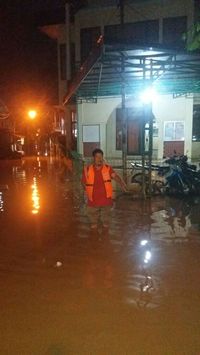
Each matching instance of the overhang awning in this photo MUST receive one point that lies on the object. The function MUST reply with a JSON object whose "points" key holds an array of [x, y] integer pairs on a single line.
{"points": [[113, 66]]}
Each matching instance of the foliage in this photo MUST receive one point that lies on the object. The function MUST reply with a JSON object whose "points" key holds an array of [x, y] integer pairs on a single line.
{"points": [[192, 37]]}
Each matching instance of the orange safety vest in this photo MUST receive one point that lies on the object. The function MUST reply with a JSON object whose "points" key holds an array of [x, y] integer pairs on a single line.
{"points": [[89, 175]]}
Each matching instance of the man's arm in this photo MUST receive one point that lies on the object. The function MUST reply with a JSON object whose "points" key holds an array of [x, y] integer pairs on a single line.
{"points": [[119, 180]]}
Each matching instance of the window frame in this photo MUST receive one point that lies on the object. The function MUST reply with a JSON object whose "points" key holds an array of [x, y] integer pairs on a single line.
{"points": [[173, 137]]}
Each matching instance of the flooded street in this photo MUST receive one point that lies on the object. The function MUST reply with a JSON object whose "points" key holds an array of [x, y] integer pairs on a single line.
{"points": [[62, 292]]}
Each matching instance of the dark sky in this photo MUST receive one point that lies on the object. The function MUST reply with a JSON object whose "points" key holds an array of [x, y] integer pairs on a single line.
{"points": [[28, 62]]}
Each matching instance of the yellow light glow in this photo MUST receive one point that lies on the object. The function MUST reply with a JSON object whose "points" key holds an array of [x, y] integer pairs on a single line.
{"points": [[148, 96], [35, 197], [32, 114], [34, 211]]}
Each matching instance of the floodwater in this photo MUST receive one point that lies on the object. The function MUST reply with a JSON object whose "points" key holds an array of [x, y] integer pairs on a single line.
{"points": [[63, 292]]}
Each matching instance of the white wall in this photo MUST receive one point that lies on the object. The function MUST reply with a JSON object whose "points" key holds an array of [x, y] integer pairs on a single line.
{"points": [[196, 150], [166, 108], [103, 113]]}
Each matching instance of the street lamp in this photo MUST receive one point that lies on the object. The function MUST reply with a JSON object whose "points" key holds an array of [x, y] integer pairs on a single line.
{"points": [[148, 96], [32, 114]]}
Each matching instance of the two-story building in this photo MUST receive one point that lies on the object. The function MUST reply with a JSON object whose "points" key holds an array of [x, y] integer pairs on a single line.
{"points": [[94, 120]]}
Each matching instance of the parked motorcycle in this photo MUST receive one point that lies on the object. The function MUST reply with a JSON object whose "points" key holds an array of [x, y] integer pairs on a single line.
{"points": [[189, 177], [192, 175], [157, 179], [176, 176]]}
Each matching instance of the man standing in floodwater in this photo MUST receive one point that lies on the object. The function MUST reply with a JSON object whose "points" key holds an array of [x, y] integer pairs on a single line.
{"points": [[96, 180]]}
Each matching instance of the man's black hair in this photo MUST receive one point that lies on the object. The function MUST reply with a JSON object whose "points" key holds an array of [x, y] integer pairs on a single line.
{"points": [[96, 151]]}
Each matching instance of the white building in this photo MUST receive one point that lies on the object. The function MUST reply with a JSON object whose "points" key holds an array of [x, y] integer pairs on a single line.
{"points": [[147, 23]]}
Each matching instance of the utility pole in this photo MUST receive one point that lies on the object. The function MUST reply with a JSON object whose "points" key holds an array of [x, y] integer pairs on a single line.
{"points": [[123, 94]]}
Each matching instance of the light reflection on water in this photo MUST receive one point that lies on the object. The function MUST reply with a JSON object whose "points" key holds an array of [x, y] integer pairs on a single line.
{"points": [[142, 285], [169, 227], [22, 175], [137, 227], [1, 202], [35, 197]]}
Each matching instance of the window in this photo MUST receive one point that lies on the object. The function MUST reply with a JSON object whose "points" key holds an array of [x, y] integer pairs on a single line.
{"points": [[143, 32], [173, 29], [57, 119], [91, 139], [196, 123], [91, 133], [155, 129], [89, 37], [63, 59], [74, 125], [174, 131]]}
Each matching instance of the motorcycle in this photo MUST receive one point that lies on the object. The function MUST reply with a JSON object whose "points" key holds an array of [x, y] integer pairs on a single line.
{"points": [[157, 180], [176, 176]]}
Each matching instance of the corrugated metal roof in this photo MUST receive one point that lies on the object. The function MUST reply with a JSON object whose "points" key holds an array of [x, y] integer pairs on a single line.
{"points": [[110, 67]]}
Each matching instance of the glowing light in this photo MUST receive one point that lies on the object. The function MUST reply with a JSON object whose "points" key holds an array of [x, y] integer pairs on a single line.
{"points": [[34, 211], [147, 257], [148, 95], [32, 114], [1, 202], [143, 242], [35, 197]]}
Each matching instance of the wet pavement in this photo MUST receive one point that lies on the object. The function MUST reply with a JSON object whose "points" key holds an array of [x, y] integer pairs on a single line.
{"points": [[64, 292]]}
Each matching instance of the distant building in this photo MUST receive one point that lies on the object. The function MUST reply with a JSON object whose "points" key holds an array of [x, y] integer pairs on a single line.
{"points": [[62, 113], [6, 131]]}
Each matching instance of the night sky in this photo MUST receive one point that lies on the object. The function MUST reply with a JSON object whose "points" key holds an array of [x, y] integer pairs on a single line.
{"points": [[28, 61]]}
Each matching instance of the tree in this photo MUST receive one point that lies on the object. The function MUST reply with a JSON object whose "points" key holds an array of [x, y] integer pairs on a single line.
{"points": [[192, 37]]}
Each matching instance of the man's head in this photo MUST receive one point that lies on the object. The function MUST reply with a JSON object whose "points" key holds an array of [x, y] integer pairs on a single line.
{"points": [[98, 157]]}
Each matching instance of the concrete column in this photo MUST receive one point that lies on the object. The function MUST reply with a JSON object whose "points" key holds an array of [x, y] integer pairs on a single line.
{"points": [[188, 126], [80, 128]]}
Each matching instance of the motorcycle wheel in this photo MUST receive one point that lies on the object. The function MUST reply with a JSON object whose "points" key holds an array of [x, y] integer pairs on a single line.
{"points": [[137, 178], [159, 187]]}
